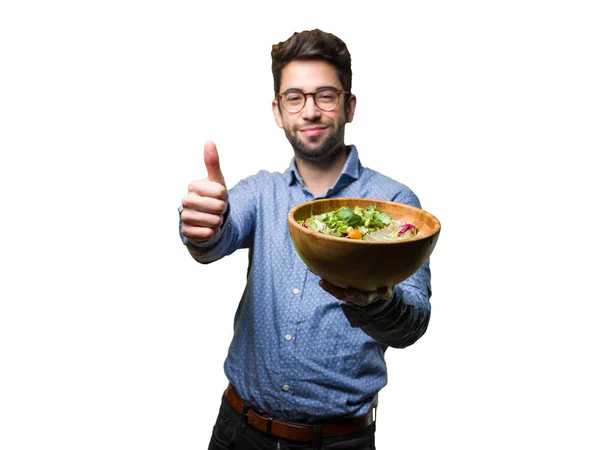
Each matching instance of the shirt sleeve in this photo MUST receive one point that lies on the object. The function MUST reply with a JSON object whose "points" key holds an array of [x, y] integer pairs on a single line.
{"points": [[400, 321], [236, 230]]}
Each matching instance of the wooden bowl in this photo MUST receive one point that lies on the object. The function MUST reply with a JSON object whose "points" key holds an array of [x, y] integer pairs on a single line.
{"points": [[364, 265]]}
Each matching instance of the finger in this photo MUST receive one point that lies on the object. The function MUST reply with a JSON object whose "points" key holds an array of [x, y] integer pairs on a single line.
{"points": [[385, 293], [207, 188], [360, 298], [336, 291], [201, 219], [364, 298], [211, 161], [199, 233], [204, 204]]}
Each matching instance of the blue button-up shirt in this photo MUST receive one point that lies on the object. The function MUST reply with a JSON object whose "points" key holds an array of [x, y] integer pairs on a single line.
{"points": [[297, 352]]}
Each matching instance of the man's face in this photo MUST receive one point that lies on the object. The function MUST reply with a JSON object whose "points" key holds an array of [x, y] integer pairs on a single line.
{"points": [[313, 133]]}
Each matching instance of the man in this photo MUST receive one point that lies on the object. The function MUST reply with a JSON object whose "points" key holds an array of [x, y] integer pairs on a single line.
{"points": [[307, 358]]}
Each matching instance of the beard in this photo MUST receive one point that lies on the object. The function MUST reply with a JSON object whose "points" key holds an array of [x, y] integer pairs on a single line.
{"points": [[330, 146]]}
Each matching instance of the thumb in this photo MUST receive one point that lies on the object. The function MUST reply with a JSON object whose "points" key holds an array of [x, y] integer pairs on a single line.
{"points": [[211, 160]]}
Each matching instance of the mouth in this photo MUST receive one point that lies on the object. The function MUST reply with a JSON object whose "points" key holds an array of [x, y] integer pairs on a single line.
{"points": [[313, 131]]}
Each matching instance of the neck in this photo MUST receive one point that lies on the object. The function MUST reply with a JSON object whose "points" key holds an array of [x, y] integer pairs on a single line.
{"points": [[320, 175]]}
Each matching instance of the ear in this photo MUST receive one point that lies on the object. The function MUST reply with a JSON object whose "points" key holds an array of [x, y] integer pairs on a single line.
{"points": [[350, 107], [277, 113]]}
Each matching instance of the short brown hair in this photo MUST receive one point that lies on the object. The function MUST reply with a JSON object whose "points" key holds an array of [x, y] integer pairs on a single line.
{"points": [[311, 45]]}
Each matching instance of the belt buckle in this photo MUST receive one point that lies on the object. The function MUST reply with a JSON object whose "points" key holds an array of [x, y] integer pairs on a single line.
{"points": [[245, 409], [260, 414], [269, 424]]}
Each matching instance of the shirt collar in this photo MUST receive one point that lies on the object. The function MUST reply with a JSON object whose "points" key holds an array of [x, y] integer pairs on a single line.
{"points": [[351, 170]]}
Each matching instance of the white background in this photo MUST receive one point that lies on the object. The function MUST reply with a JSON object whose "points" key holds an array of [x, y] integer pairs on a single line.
{"points": [[112, 337]]}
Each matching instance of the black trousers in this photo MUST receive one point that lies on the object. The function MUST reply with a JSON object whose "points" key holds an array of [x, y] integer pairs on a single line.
{"points": [[231, 432]]}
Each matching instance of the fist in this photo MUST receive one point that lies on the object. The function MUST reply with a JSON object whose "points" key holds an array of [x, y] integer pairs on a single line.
{"points": [[206, 200]]}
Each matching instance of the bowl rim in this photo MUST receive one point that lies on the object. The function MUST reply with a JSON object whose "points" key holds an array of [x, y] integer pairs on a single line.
{"points": [[292, 222]]}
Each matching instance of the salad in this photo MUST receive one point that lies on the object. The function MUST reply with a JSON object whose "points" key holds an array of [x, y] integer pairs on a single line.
{"points": [[360, 223]]}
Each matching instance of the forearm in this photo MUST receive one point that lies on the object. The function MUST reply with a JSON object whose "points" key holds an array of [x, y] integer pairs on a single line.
{"points": [[400, 321]]}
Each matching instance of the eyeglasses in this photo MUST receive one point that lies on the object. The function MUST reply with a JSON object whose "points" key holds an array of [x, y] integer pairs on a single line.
{"points": [[326, 99]]}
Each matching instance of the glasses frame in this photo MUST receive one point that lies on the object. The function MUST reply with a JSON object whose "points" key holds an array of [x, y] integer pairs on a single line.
{"points": [[305, 95]]}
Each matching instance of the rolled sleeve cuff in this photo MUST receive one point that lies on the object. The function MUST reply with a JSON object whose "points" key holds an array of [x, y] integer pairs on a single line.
{"points": [[361, 316]]}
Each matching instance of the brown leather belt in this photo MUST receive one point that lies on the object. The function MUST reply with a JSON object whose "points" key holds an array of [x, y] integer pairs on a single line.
{"points": [[293, 430]]}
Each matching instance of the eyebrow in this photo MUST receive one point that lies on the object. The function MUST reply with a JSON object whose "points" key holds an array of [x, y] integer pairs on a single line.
{"points": [[320, 88]]}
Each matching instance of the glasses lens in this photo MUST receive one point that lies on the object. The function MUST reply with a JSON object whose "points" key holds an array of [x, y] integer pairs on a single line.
{"points": [[327, 99], [293, 101]]}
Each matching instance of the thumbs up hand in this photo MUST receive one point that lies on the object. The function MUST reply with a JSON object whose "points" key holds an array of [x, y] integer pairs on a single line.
{"points": [[206, 200]]}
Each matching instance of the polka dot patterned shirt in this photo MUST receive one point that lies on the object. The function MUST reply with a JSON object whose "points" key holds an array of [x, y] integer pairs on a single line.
{"points": [[297, 352]]}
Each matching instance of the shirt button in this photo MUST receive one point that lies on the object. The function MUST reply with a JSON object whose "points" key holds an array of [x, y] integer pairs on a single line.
{"points": [[288, 337], [286, 387], [296, 291]]}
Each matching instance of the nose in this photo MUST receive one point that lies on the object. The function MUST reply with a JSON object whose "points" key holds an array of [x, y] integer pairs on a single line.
{"points": [[310, 111]]}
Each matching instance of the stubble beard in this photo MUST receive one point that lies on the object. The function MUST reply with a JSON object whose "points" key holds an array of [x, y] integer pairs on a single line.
{"points": [[330, 147]]}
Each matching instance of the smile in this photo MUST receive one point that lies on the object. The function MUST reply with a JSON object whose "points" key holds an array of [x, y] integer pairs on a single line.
{"points": [[313, 131]]}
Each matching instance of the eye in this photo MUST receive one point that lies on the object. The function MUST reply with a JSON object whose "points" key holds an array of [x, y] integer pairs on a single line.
{"points": [[293, 97], [327, 96]]}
